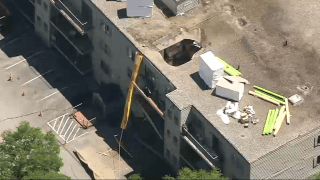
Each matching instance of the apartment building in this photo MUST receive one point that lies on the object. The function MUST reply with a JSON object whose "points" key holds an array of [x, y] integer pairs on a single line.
{"points": [[180, 121]]}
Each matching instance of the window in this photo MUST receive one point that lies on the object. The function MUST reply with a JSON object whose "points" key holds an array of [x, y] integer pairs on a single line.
{"points": [[45, 26], [176, 120], [45, 6], [169, 113], [168, 133], [105, 68], [130, 54], [39, 2], [316, 161], [103, 26], [168, 153], [39, 20], [175, 140], [317, 141], [108, 30], [129, 72]]}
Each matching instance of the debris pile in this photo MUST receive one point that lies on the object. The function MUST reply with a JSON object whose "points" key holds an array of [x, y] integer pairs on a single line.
{"points": [[231, 109], [247, 116], [296, 100]]}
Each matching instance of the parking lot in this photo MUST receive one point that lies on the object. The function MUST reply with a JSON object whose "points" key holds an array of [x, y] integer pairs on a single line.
{"points": [[43, 82]]}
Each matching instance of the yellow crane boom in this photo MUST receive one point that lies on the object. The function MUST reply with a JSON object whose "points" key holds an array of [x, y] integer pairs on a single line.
{"points": [[127, 108]]}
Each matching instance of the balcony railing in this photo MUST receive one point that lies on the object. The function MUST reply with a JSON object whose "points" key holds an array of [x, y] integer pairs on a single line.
{"points": [[72, 15], [208, 155], [81, 62], [149, 100], [81, 43], [152, 116]]}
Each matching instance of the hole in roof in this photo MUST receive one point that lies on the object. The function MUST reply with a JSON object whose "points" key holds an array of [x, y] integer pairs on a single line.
{"points": [[181, 52]]}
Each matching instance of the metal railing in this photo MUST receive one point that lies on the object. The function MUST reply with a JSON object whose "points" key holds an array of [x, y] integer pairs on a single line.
{"points": [[205, 151], [65, 11]]}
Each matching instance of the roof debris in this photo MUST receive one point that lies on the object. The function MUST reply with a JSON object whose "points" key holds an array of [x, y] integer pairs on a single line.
{"points": [[296, 100]]}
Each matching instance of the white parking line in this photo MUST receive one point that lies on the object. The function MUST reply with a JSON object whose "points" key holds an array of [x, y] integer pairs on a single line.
{"points": [[63, 136], [63, 126], [23, 60], [15, 64], [71, 132], [36, 78], [52, 94], [78, 137]]}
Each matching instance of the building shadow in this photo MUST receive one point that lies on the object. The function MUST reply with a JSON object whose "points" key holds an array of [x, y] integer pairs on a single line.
{"points": [[200, 82], [165, 10], [85, 166], [57, 72]]}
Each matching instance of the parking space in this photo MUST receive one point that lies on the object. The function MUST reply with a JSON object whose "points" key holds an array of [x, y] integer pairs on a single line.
{"points": [[26, 46]]}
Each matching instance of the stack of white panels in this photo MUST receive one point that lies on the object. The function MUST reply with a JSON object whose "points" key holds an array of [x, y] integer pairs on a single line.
{"points": [[210, 69], [230, 90]]}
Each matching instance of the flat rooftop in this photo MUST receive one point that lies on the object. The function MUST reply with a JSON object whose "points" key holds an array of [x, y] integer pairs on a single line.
{"points": [[246, 33]]}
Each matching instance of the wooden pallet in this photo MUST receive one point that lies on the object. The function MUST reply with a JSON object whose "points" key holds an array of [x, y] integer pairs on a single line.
{"points": [[82, 120]]}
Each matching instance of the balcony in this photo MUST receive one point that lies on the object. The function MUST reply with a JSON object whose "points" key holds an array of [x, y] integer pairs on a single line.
{"points": [[82, 63], [152, 116], [206, 153], [66, 8], [81, 43], [145, 131], [149, 100]]}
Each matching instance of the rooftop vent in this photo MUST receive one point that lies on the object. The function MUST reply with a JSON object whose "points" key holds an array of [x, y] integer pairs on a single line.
{"points": [[179, 7], [139, 8]]}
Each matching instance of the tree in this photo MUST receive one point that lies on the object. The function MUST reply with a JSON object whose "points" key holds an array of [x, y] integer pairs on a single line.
{"points": [[135, 177], [167, 177], [46, 175], [28, 152], [316, 176], [186, 173]]}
